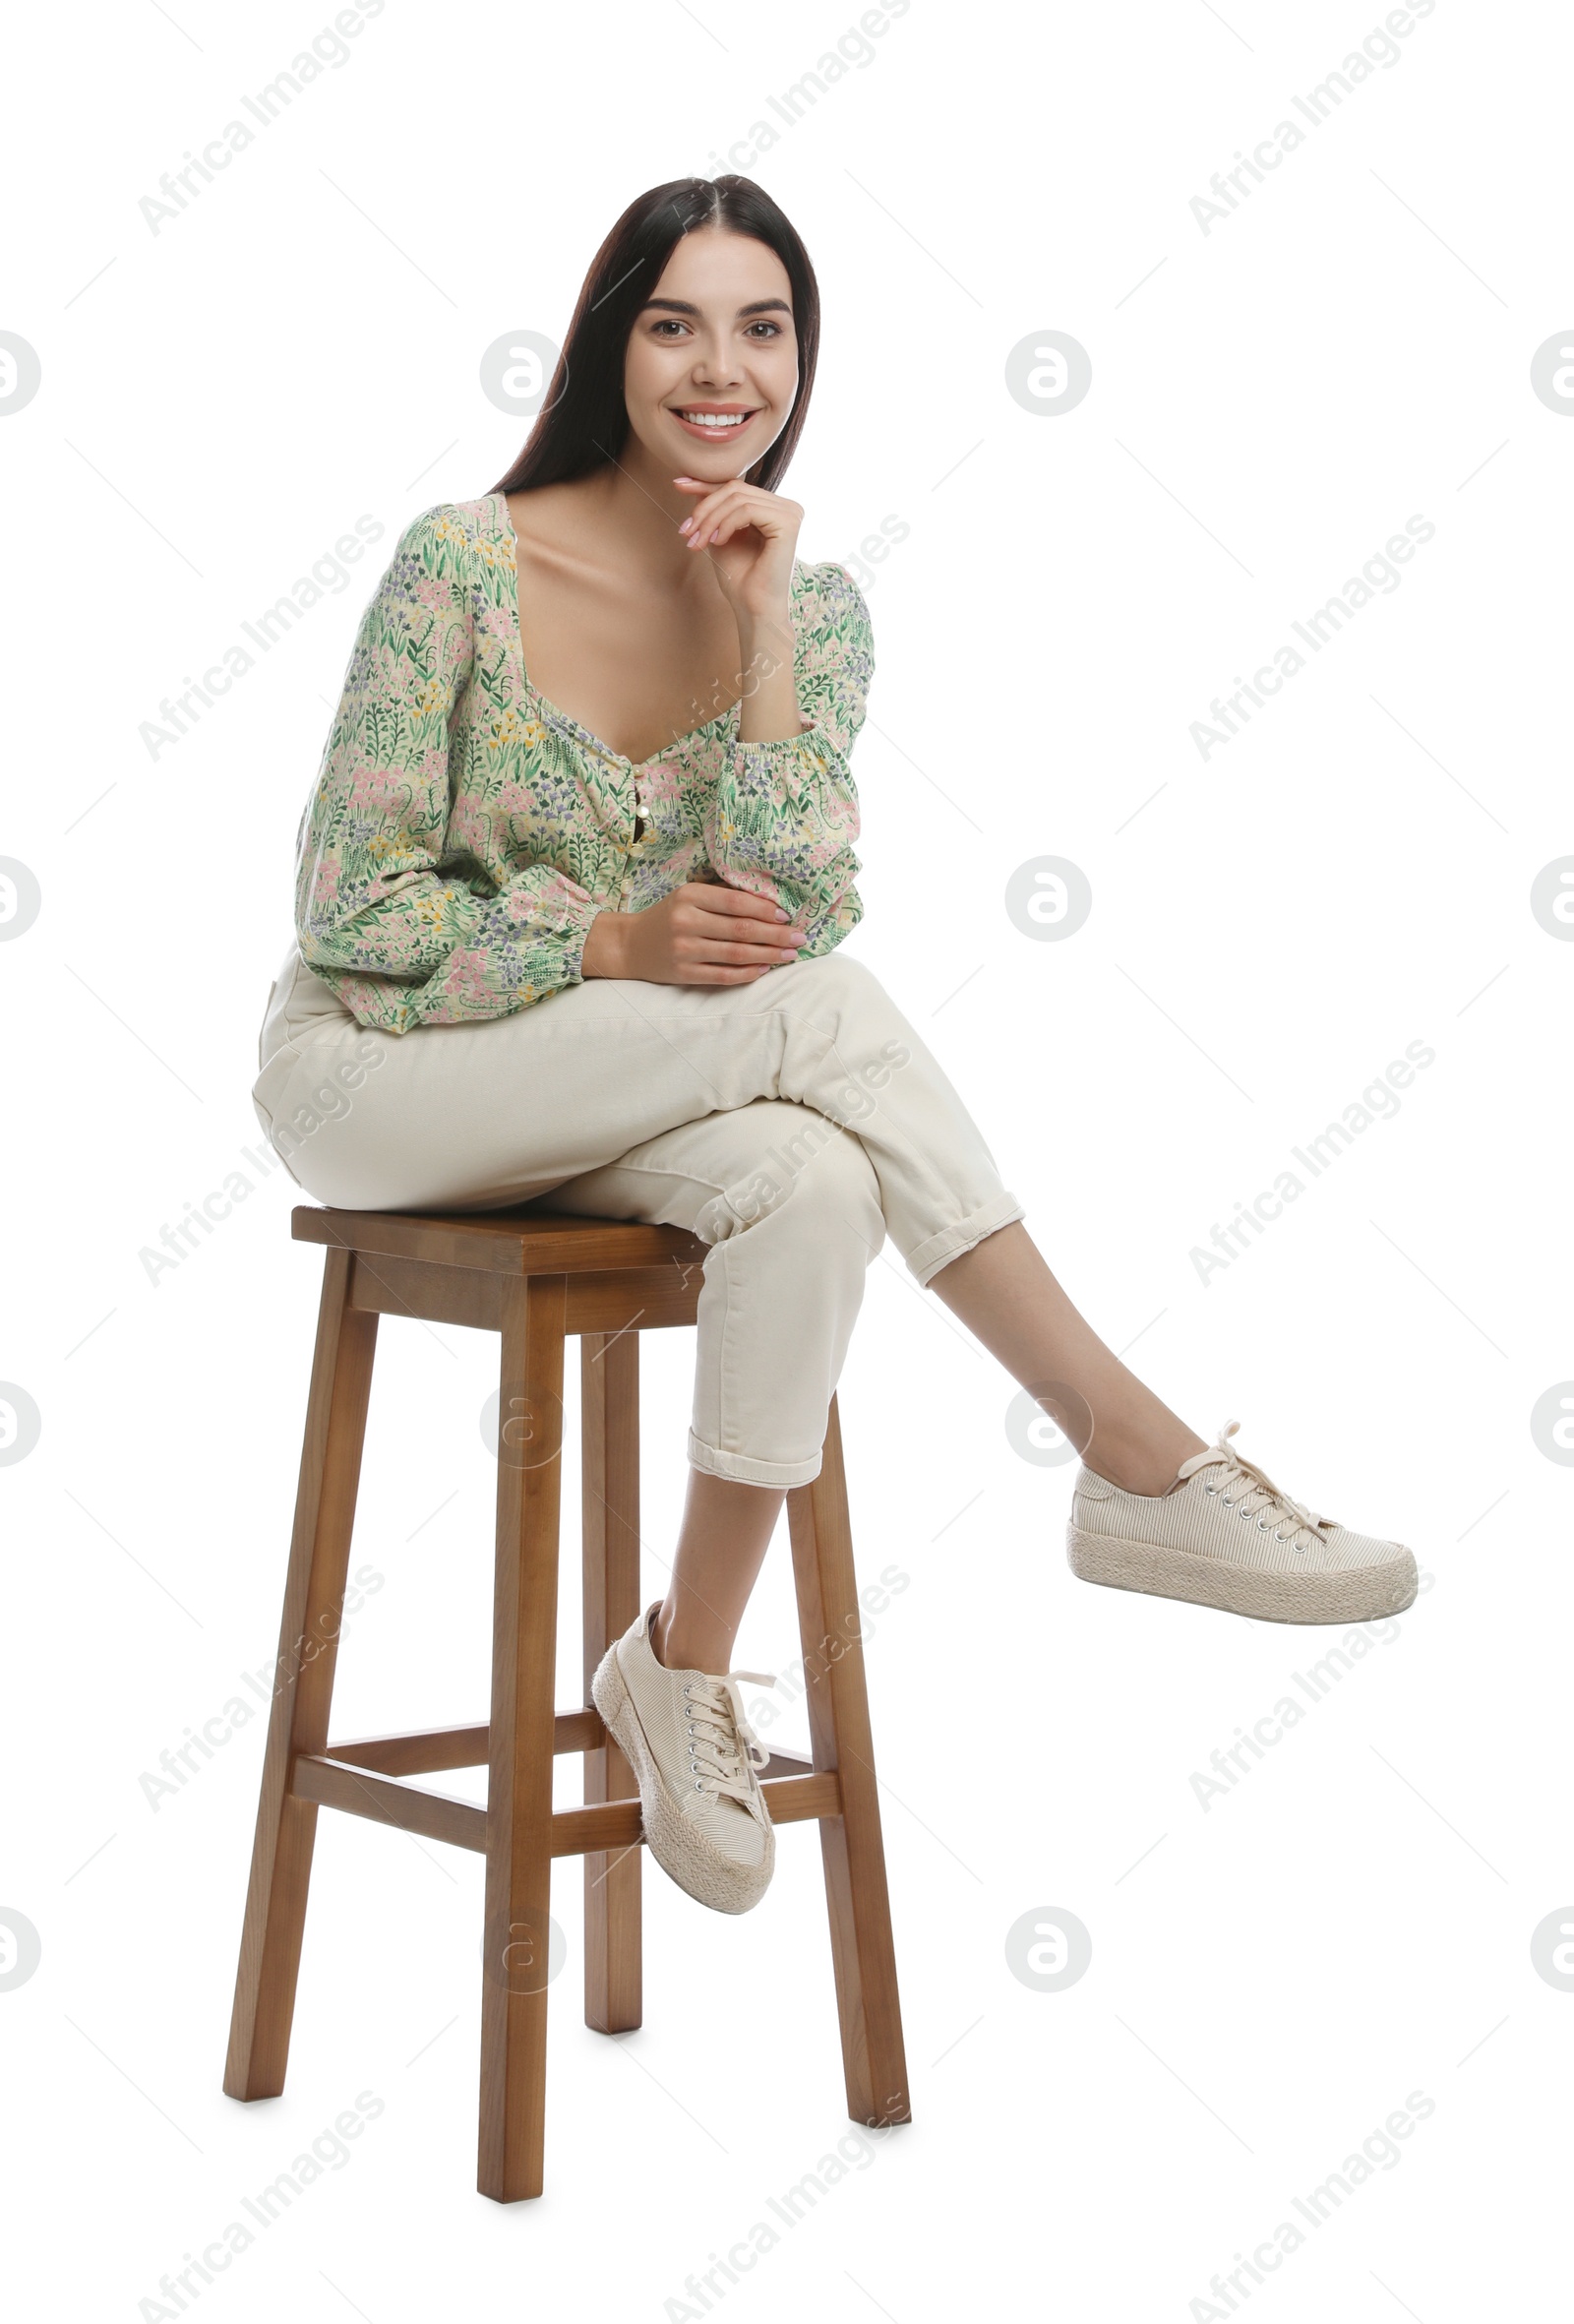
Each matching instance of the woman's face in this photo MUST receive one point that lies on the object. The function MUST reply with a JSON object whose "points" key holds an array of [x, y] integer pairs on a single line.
{"points": [[712, 362]]}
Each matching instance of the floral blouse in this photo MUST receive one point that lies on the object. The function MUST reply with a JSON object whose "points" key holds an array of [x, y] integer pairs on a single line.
{"points": [[463, 833]]}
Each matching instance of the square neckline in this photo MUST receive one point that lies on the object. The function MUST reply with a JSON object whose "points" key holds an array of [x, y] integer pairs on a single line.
{"points": [[561, 717]]}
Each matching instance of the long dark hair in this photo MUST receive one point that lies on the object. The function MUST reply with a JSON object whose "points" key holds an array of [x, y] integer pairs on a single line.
{"points": [[585, 420]]}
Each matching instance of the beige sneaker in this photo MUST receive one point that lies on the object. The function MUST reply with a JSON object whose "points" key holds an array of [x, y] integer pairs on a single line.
{"points": [[693, 1756], [1224, 1535]]}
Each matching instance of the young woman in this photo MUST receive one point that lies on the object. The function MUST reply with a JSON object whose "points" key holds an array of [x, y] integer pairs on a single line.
{"points": [[569, 891]]}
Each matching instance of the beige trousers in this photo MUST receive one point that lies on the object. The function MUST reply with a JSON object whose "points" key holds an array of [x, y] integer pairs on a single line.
{"points": [[788, 1123]]}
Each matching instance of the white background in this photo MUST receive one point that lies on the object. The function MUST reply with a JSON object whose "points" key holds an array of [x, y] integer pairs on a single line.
{"points": [[1272, 1976]]}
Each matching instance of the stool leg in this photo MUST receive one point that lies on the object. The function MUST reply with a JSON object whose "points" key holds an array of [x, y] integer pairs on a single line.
{"points": [[313, 1596], [525, 1640], [609, 1375], [840, 1737]]}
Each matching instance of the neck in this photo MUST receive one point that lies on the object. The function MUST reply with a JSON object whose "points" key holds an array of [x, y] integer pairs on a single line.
{"points": [[638, 504]]}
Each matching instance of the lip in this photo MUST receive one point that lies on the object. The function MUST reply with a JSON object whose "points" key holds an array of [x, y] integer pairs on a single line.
{"points": [[706, 435]]}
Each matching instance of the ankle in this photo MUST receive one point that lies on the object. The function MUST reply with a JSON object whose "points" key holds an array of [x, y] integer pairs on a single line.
{"points": [[677, 1646], [1143, 1468]]}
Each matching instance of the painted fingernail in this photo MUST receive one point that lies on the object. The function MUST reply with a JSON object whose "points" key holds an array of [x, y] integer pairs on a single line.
{"points": [[684, 527], [781, 916], [786, 956]]}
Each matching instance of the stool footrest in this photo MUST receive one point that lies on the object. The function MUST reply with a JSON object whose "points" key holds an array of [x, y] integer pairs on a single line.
{"points": [[614, 1823], [327, 1780], [333, 1783], [431, 1750]]}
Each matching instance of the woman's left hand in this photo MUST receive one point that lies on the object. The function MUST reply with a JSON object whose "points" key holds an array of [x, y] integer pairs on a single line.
{"points": [[750, 535]]}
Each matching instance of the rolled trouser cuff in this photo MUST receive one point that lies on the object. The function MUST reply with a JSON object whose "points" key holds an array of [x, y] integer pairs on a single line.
{"points": [[741, 1469], [938, 1250]]}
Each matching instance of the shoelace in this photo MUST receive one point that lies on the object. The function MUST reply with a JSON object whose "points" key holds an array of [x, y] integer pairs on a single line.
{"points": [[724, 1751], [1258, 1497]]}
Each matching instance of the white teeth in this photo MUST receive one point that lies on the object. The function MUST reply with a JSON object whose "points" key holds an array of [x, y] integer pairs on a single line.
{"points": [[715, 419]]}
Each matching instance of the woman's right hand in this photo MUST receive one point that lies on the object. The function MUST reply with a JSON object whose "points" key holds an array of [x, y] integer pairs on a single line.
{"points": [[701, 933]]}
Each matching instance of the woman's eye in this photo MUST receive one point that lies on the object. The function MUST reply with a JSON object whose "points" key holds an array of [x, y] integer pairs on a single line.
{"points": [[674, 326]]}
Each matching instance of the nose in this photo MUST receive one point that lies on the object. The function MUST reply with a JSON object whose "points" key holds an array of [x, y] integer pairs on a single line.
{"points": [[716, 363]]}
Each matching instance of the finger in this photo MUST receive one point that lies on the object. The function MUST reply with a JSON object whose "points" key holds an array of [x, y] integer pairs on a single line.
{"points": [[704, 510], [739, 956], [719, 930], [711, 896], [711, 935], [704, 534], [703, 975], [717, 933], [732, 499], [746, 503], [727, 940]]}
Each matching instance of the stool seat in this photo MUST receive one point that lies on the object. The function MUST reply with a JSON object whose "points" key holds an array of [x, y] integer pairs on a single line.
{"points": [[538, 1278], [522, 1241]]}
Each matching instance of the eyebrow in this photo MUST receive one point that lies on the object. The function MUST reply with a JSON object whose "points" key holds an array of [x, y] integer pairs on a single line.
{"points": [[682, 306]]}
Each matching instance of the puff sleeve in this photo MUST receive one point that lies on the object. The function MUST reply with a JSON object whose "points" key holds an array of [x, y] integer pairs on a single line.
{"points": [[784, 814], [392, 909]]}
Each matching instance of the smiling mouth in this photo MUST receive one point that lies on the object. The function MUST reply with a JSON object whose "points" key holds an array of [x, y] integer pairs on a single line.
{"points": [[707, 420]]}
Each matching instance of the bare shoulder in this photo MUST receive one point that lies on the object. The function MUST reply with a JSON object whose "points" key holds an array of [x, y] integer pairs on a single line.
{"points": [[557, 527]]}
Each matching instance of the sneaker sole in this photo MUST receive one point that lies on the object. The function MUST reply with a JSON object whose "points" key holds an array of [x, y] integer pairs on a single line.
{"points": [[700, 1870], [1364, 1594]]}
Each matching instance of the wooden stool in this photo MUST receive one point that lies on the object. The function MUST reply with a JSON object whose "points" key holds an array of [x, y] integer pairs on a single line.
{"points": [[536, 1279]]}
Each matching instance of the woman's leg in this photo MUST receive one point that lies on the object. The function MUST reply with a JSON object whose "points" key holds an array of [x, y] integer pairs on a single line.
{"points": [[870, 1132], [1011, 1303], [790, 1207], [484, 1115], [721, 1546], [1006, 1296]]}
